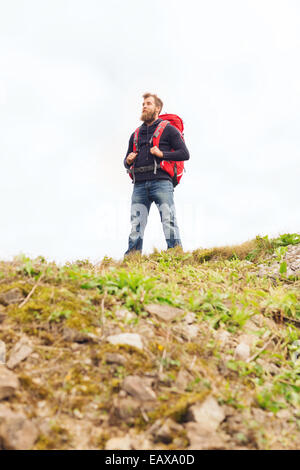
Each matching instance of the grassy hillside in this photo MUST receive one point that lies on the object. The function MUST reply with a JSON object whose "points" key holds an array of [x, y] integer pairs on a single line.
{"points": [[228, 340]]}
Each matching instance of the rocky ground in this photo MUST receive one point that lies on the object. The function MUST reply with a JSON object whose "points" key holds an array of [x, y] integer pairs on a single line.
{"points": [[175, 350], [289, 263]]}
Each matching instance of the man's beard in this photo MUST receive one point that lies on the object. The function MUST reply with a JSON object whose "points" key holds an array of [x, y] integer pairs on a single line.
{"points": [[148, 116]]}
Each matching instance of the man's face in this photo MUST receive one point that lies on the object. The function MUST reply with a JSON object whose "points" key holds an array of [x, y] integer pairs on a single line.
{"points": [[150, 111]]}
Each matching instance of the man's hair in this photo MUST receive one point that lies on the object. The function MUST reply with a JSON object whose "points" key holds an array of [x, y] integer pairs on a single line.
{"points": [[157, 100]]}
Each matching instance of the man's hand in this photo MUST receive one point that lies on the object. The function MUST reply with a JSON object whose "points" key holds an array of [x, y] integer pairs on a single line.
{"points": [[131, 157], [155, 151]]}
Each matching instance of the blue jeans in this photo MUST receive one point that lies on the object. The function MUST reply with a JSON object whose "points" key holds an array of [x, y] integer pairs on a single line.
{"points": [[144, 193]]}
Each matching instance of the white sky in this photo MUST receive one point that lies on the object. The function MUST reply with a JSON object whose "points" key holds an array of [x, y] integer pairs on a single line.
{"points": [[72, 75]]}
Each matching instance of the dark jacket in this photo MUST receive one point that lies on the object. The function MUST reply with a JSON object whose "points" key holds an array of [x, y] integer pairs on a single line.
{"points": [[170, 139]]}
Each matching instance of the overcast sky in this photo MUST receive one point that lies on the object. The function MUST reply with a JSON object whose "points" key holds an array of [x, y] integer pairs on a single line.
{"points": [[72, 75]]}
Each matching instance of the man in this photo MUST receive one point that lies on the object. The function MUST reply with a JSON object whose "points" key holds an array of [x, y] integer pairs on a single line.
{"points": [[151, 183]]}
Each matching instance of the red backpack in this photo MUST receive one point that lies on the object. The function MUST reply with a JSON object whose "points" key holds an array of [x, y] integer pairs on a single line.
{"points": [[173, 168]]}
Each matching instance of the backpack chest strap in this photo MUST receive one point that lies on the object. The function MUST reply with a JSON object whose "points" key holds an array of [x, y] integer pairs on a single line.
{"points": [[158, 132], [136, 140]]}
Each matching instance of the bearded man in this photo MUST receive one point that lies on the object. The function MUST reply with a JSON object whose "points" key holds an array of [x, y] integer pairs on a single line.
{"points": [[151, 182]]}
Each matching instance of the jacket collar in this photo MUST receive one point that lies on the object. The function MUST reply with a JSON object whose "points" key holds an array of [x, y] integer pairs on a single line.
{"points": [[153, 125]]}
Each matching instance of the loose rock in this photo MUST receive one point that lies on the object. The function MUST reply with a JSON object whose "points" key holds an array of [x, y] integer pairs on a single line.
{"points": [[139, 387], [19, 353], [284, 414], [222, 337], [189, 318], [166, 432], [16, 431], [248, 339], [75, 336], [164, 312], [242, 352], [114, 358], [201, 441], [125, 315], [292, 259], [183, 379], [268, 366], [12, 296], [208, 415], [125, 408], [140, 442], [9, 382], [132, 339], [188, 332], [118, 443]]}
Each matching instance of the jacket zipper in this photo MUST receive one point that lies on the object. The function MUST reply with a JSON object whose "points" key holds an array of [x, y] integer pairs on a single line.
{"points": [[147, 145]]}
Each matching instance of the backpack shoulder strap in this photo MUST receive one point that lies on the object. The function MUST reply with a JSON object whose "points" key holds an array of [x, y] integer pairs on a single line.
{"points": [[136, 140], [158, 132]]}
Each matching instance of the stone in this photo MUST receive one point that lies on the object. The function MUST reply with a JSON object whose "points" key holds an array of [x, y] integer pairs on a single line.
{"points": [[164, 379], [12, 296], [248, 339], [252, 326], [257, 319], [167, 431], [16, 431], [242, 352], [203, 441], [259, 415], [146, 329], [234, 424], [114, 358], [208, 415], [291, 258], [125, 315], [2, 352], [131, 339], [118, 443], [284, 414], [189, 318], [164, 312], [75, 336], [222, 337], [185, 332], [9, 382], [183, 379], [19, 353], [126, 408], [140, 442], [139, 387], [268, 366], [189, 332]]}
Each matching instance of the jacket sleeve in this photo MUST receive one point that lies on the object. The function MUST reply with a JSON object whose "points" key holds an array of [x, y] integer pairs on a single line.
{"points": [[130, 149], [180, 150]]}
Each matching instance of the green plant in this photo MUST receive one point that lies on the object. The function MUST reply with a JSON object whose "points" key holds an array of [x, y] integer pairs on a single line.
{"points": [[168, 362], [287, 239], [59, 315], [28, 266], [265, 399], [283, 267], [280, 251], [281, 301]]}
